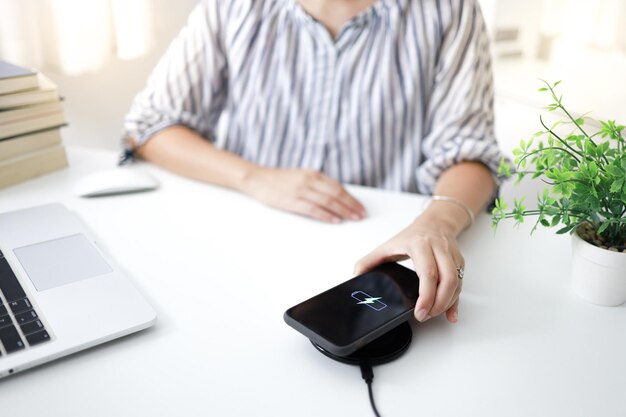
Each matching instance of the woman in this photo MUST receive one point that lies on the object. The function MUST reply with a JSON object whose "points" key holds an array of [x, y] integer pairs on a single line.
{"points": [[394, 94]]}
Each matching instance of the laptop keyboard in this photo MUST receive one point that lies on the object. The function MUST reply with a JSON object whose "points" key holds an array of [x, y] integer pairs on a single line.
{"points": [[17, 313]]}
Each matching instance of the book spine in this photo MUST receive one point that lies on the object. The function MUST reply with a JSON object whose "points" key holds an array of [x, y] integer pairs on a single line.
{"points": [[22, 145], [28, 124], [23, 168]]}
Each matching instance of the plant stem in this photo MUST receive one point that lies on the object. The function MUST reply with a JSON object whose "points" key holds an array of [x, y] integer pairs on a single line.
{"points": [[574, 121], [560, 140], [560, 105], [562, 182], [541, 150], [582, 130]]}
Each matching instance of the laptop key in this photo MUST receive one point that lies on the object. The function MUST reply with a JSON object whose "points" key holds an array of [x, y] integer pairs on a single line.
{"points": [[5, 321], [11, 340], [32, 327], [38, 337], [9, 284], [3, 310], [18, 306], [26, 317]]}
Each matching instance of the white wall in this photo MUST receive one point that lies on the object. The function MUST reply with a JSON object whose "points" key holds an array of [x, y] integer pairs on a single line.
{"points": [[95, 103]]}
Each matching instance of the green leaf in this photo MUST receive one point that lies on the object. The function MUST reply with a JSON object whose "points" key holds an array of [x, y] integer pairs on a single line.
{"points": [[603, 227], [504, 170], [523, 163], [614, 170], [501, 205], [566, 229], [617, 185], [603, 148]]}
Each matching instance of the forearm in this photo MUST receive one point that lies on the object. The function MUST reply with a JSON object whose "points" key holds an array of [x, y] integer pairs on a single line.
{"points": [[468, 182], [306, 192], [183, 151]]}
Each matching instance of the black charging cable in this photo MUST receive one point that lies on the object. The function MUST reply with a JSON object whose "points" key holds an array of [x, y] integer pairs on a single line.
{"points": [[367, 373]]}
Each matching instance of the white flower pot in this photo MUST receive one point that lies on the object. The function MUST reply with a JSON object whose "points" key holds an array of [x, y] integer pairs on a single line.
{"points": [[598, 275]]}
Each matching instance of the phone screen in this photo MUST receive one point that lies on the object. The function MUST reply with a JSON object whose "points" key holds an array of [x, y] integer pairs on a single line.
{"points": [[354, 313]]}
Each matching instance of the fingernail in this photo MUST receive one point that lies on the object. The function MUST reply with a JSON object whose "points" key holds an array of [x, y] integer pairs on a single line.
{"points": [[335, 220], [455, 316], [422, 315], [355, 217]]}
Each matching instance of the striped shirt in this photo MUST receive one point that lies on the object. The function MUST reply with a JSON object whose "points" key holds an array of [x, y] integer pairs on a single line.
{"points": [[402, 93]]}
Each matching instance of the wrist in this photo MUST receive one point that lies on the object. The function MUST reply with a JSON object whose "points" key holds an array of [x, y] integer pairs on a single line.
{"points": [[447, 218], [246, 181]]}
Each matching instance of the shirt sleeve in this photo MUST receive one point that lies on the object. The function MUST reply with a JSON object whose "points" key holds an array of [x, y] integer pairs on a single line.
{"points": [[459, 123], [188, 85]]}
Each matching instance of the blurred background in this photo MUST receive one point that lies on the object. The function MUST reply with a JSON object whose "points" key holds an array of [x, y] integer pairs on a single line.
{"points": [[100, 53]]}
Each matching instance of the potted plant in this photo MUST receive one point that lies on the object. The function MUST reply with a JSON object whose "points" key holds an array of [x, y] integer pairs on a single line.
{"points": [[586, 196]]}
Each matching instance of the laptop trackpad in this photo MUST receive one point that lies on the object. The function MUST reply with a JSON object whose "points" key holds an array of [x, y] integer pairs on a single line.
{"points": [[61, 261]]}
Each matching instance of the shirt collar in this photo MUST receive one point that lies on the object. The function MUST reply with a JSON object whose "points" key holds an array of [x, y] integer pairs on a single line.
{"points": [[376, 10]]}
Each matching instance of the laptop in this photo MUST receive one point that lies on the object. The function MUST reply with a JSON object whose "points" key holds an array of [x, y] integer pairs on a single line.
{"points": [[59, 292]]}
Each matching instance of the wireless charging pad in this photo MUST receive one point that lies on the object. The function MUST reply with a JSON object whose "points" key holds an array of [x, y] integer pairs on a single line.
{"points": [[382, 350]]}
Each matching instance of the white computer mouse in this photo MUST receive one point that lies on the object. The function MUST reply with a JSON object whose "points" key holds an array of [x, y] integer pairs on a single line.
{"points": [[120, 180]]}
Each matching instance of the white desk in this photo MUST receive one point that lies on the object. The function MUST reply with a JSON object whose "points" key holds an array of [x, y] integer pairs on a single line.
{"points": [[221, 269]]}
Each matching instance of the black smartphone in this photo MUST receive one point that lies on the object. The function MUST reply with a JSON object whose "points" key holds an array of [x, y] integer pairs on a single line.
{"points": [[351, 315]]}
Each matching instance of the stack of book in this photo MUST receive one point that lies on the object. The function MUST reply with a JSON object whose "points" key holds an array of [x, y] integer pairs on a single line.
{"points": [[31, 115]]}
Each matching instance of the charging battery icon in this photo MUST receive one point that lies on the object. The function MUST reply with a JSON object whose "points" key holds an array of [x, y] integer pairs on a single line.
{"points": [[366, 299]]}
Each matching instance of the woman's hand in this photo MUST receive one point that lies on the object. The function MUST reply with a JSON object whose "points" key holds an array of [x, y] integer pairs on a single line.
{"points": [[430, 241], [305, 192]]}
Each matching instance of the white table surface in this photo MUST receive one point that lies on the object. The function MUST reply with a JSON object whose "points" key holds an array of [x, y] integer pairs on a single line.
{"points": [[220, 269]]}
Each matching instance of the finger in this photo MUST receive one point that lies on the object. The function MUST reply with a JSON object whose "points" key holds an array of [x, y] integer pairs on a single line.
{"points": [[448, 281], [314, 211], [458, 259], [328, 202], [453, 312], [333, 188], [456, 295], [426, 269], [378, 256]]}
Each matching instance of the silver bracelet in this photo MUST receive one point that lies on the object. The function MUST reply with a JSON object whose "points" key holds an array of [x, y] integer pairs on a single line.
{"points": [[461, 204]]}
